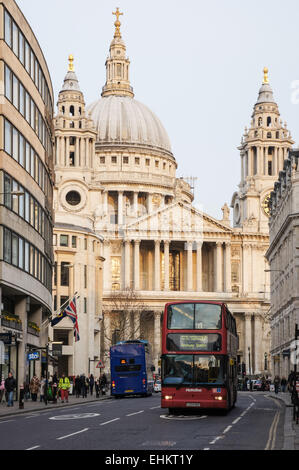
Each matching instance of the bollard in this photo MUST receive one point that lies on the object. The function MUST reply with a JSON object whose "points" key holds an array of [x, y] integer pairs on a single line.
{"points": [[21, 397]]}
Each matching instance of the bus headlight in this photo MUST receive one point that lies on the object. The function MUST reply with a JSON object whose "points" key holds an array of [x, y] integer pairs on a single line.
{"points": [[218, 398], [168, 397]]}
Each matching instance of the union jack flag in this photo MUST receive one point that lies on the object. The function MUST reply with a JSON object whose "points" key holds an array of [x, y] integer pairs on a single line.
{"points": [[71, 311]]}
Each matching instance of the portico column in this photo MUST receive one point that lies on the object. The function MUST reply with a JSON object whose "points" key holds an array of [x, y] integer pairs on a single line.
{"points": [[189, 267], [247, 343], [136, 264], [157, 265], [228, 274], [199, 266], [120, 207], [166, 264], [127, 263], [157, 338], [275, 167], [218, 267], [257, 344]]}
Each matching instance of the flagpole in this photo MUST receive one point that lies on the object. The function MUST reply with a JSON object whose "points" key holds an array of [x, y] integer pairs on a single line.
{"points": [[58, 311]]}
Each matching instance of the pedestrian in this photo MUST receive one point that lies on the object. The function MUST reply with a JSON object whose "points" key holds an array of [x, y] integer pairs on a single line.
{"points": [[103, 384], [91, 384], [263, 386], [97, 388], [26, 391], [54, 387], [64, 386], [10, 385], [34, 387], [276, 383], [42, 389], [283, 384], [77, 386], [2, 388], [291, 379], [87, 385], [83, 385]]}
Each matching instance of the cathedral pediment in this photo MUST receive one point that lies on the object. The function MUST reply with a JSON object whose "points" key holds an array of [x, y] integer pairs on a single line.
{"points": [[177, 218]]}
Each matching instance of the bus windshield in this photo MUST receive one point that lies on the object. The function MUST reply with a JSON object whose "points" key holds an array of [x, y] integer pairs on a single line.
{"points": [[193, 316], [193, 369]]}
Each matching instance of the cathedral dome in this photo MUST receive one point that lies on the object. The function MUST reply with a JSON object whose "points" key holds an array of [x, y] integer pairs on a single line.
{"points": [[124, 120]]}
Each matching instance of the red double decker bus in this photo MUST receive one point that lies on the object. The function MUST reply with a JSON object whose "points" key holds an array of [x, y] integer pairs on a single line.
{"points": [[199, 356]]}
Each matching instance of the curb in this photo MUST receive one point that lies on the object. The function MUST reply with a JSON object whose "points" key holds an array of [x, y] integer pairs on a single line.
{"points": [[50, 407], [288, 429]]}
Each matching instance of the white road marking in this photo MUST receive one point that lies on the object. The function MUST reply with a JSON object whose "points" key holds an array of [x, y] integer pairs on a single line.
{"points": [[155, 407], [137, 413], [32, 416], [73, 434], [237, 419], [227, 429], [107, 422], [31, 448], [7, 421], [216, 439], [206, 448]]}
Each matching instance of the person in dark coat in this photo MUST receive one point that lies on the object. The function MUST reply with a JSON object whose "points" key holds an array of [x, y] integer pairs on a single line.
{"points": [[103, 384], [83, 385], [77, 386], [91, 384], [10, 385]]}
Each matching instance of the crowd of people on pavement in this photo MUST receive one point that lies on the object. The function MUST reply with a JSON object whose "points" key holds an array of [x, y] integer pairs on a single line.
{"points": [[58, 388], [278, 384]]}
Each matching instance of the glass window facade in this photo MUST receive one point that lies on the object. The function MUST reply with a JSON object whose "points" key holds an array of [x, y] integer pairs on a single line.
{"points": [[17, 147], [19, 252], [16, 93], [14, 38]]}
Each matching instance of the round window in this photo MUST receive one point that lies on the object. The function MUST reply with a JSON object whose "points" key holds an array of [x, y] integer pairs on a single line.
{"points": [[73, 198]]}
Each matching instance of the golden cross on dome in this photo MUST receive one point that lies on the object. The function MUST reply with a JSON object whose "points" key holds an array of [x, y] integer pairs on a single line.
{"points": [[71, 63], [266, 79], [117, 23]]}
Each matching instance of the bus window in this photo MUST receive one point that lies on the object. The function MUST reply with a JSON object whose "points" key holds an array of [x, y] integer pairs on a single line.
{"points": [[207, 316], [181, 316]]}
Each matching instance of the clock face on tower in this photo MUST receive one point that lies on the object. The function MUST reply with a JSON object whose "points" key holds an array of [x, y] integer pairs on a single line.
{"points": [[265, 204]]}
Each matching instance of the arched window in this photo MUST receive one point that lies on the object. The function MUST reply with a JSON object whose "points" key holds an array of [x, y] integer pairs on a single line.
{"points": [[260, 121], [63, 109], [269, 121], [72, 124], [72, 110], [269, 135]]}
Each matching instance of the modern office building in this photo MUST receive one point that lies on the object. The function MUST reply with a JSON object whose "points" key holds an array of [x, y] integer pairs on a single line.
{"points": [[26, 199]]}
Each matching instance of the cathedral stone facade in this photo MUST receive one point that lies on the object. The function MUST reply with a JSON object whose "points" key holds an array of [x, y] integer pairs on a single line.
{"points": [[116, 186]]}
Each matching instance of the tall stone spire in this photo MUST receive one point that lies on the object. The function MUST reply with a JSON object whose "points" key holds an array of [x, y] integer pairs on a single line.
{"points": [[117, 65]]}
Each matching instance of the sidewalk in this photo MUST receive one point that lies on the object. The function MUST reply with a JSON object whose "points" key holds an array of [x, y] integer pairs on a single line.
{"points": [[31, 406], [291, 429]]}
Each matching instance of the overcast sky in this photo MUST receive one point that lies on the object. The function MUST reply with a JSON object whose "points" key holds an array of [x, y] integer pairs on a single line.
{"points": [[197, 64]]}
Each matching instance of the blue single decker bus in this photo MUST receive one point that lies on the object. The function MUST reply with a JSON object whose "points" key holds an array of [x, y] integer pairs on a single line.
{"points": [[131, 369]]}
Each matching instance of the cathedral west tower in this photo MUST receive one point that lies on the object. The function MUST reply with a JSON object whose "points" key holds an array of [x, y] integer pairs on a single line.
{"points": [[263, 149]]}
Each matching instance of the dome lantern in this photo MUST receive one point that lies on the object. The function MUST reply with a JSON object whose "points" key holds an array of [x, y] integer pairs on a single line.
{"points": [[117, 66]]}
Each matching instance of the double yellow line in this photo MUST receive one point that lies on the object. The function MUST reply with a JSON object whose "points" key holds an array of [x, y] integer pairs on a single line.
{"points": [[273, 430]]}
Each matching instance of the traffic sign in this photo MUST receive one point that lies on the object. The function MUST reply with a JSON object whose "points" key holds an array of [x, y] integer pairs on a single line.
{"points": [[100, 365]]}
